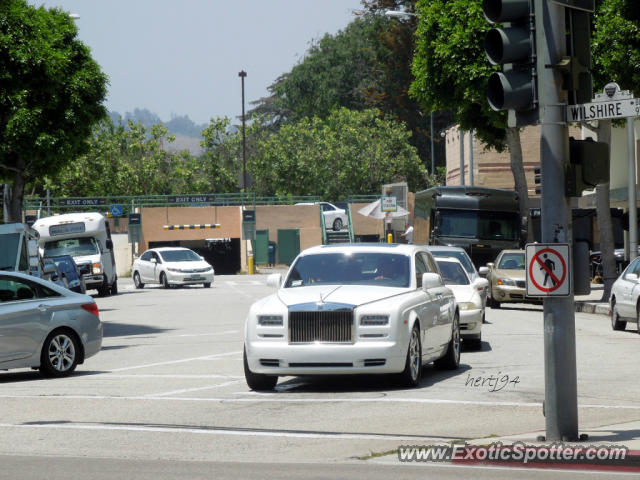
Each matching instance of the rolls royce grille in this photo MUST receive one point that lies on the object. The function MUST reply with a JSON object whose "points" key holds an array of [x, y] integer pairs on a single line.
{"points": [[321, 326]]}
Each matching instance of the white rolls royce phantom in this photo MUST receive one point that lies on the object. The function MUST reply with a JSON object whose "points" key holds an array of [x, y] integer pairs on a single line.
{"points": [[350, 309]]}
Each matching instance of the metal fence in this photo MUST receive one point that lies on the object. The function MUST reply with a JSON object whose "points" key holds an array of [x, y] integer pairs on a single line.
{"points": [[122, 205]]}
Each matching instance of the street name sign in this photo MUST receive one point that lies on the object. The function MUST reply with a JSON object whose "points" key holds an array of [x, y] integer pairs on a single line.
{"points": [[611, 103], [604, 110], [548, 270]]}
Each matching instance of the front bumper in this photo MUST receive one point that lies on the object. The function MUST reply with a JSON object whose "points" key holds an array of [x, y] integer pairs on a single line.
{"points": [[505, 293], [470, 323], [181, 278], [281, 358], [93, 281]]}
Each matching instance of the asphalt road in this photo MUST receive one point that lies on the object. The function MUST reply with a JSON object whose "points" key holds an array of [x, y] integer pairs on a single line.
{"points": [[168, 389]]}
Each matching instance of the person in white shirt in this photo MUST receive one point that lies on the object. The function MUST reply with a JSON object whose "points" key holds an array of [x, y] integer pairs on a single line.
{"points": [[408, 233]]}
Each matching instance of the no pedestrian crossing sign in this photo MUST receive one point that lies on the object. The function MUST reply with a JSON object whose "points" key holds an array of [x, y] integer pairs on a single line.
{"points": [[548, 270]]}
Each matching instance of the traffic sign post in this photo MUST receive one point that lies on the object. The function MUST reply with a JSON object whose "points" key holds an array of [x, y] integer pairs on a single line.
{"points": [[548, 267], [560, 375]]}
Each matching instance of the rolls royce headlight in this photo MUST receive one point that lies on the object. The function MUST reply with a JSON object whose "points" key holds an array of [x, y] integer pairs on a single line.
{"points": [[270, 320], [506, 282], [374, 320], [467, 306]]}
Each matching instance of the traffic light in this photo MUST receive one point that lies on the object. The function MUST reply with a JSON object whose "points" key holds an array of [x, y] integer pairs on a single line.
{"points": [[588, 167], [577, 79], [537, 179], [514, 47]]}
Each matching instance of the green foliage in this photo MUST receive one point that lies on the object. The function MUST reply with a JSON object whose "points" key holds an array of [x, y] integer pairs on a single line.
{"points": [[616, 46], [348, 152], [366, 65], [130, 160], [51, 90], [450, 67]]}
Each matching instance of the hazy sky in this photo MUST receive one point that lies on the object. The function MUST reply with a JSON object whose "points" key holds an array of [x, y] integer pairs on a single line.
{"points": [[183, 57]]}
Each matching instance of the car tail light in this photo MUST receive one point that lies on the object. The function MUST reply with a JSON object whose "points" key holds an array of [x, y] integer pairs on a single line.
{"points": [[91, 308]]}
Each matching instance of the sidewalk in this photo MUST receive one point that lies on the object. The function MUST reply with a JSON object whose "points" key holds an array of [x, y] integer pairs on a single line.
{"points": [[591, 303]]}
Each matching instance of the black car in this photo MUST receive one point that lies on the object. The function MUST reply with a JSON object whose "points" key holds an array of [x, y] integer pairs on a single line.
{"points": [[70, 271]]}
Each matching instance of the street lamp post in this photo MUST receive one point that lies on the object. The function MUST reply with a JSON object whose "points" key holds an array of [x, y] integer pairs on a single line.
{"points": [[399, 14], [243, 74]]}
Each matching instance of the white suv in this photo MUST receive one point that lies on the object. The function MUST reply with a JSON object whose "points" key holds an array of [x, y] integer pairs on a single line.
{"points": [[334, 217]]}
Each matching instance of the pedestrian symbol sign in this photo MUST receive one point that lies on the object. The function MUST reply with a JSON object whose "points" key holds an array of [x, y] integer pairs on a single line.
{"points": [[548, 270]]}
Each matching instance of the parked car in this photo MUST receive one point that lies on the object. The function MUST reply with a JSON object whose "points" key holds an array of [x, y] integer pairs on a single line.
{"points": [[334, 217], [171, 266], [68, 268], [625, 297], [507, 279], [45, 326], [461, 254], [467, 293], [353, 309], [52, 273]]}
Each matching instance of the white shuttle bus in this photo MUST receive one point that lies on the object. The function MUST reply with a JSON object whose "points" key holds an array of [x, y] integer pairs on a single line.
{"points": [[87, 238]]}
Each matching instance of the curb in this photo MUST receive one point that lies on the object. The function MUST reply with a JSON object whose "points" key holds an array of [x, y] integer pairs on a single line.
{"points": [[601, 308]]}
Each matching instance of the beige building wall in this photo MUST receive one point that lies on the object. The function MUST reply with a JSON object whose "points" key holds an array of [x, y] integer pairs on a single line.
{"points": [[492, 168], [155, 218], [306, 218]]}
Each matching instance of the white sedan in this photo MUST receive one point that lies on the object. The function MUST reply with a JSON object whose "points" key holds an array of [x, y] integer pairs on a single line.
{"points": [[334, 218], [350, 309], [170, 266], [625, 297], [469, 297]]}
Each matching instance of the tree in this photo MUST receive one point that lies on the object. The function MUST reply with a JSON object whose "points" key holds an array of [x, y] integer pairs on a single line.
{"points": [[616, 56], [451, 72], [222, 149], [131, 160], [347, 152], [51, 94], [366, 65]]}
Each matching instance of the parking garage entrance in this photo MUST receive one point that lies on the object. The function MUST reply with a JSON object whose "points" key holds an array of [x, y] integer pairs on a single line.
{"points": [[223, 253]]}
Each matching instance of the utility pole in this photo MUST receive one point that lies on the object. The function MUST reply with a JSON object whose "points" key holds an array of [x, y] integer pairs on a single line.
{"points": [[561, 391], [433, 152], [242, 74]]}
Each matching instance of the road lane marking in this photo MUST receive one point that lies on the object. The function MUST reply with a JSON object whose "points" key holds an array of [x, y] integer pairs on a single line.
{"points": [[197, 389], [247, 432], [278, 399], [172, 362], [160, 375], [226, 332]]}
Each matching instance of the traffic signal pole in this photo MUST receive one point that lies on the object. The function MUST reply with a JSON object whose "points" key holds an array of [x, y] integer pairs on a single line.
{"points": [[561, 396]]}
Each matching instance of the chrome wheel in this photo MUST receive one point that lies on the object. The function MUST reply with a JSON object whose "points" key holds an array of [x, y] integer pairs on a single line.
{"points": [[414, 355], [337, 225], [451, 359], [136, 280], [60, 354], [456, 339], [412, 372]]}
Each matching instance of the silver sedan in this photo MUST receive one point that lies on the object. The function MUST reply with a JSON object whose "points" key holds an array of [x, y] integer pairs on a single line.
{"points": [[45, 326]]}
